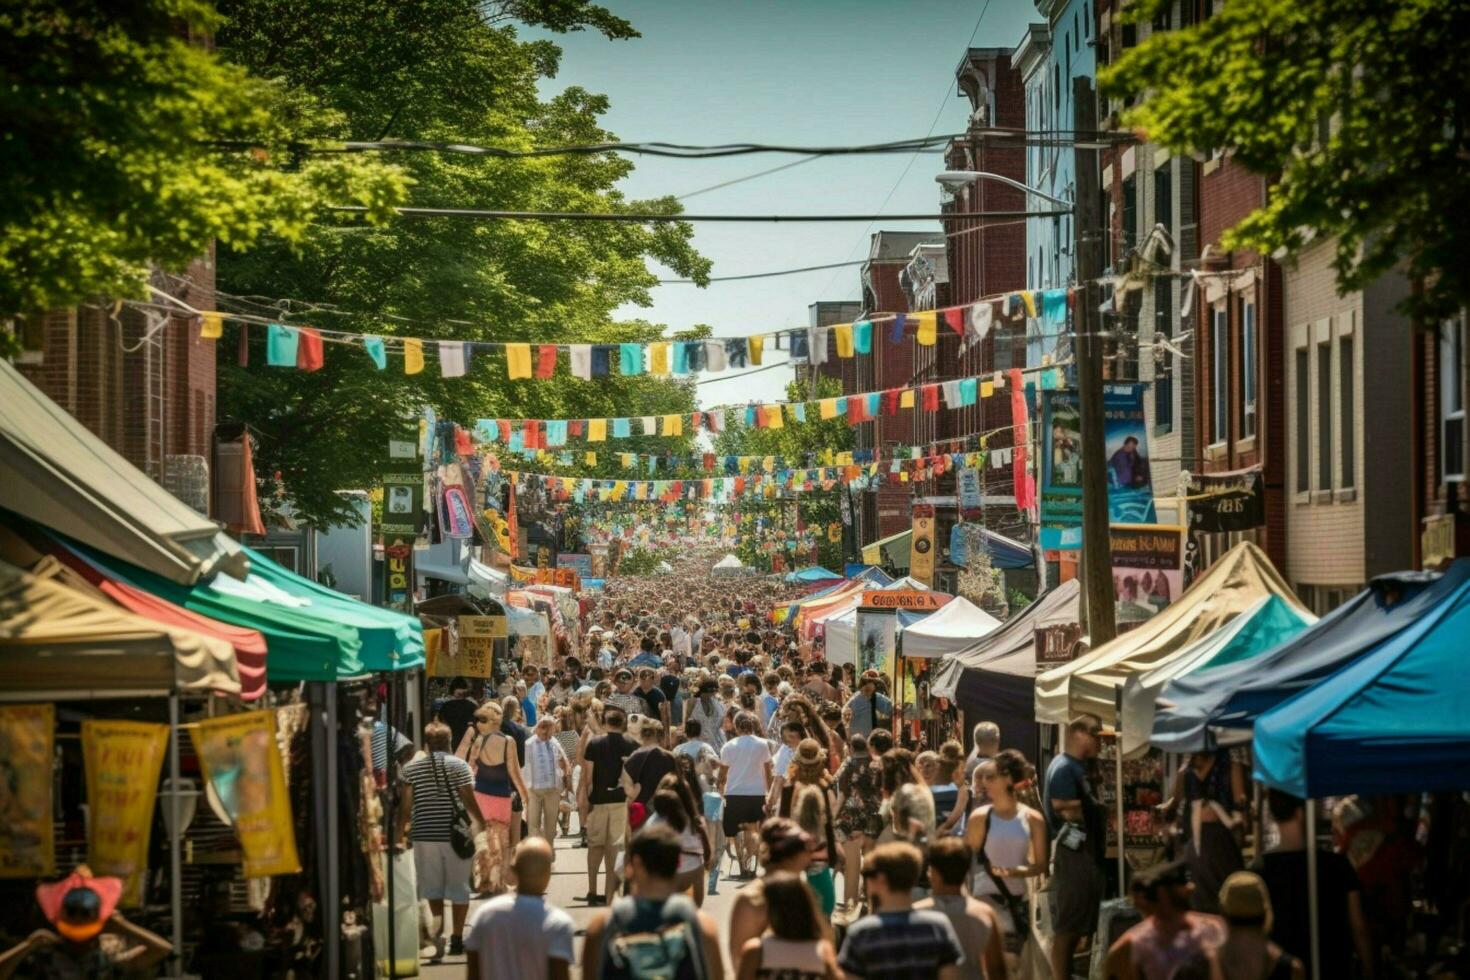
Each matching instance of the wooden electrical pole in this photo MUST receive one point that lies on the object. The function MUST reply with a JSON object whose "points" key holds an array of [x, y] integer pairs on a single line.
{"points": [[1097, 571]]}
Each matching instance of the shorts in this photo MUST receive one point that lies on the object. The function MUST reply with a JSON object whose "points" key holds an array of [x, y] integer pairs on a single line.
{"points": [[1076, 888], [442, 875], [607, 824], [713, 804], [494, 808], [742, 810]]}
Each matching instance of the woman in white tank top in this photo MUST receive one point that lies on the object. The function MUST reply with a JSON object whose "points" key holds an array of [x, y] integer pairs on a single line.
{"points": [[1007, 836]]}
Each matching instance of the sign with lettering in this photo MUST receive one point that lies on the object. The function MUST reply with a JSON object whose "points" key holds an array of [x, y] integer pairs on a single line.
{"points": [[921, 545], [904, 599], [397, 572], [1231, 501], [968, 480], [27, 834], [1148, 570], [242, 761], [403, 505], [122, 760]]}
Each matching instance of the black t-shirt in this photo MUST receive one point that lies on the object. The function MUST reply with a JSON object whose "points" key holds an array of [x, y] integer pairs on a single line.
{"points": [[669, 684], [651, 699], [647, 767], [1285, 874], [457, 713], [518, 733], [607, 753]]}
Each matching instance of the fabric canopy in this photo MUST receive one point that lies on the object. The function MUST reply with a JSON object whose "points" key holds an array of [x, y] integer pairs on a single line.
{"points": [[486, 581], [871, 574], [892, 550], [729, 561], [812, 573], [58, 639], [390, 640], [1089, 684], [1394, 720], [1195, 710], [58, 474], [949, 630], [994, 679], [1002, 551], [1270, 621]]}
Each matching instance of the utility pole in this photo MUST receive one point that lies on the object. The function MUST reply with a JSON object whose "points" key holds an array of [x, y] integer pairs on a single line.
{"points": [[1097, 572]]}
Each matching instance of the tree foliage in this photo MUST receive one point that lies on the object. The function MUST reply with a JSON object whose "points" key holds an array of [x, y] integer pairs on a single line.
{"points": [[442, 70], [1357, 110], [106, 167]]}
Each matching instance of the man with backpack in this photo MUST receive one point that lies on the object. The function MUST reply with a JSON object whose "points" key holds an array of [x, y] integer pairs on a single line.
{"points": [[656, 931]]}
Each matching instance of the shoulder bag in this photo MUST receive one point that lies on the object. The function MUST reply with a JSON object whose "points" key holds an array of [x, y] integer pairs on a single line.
{"points": [[1020, 916], [461, 832]]}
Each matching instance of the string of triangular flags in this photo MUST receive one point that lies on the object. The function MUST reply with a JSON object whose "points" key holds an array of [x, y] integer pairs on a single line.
{"points": [[302, 347], [956, 393]]}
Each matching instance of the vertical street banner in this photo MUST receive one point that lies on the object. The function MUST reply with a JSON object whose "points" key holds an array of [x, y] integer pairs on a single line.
{"points": [[27, 743], [1148, 570], [921, 546], [967, 479], [1130, 484], [122, 761], [241, 760], [475, 655], [403, 510], [877, 639]]}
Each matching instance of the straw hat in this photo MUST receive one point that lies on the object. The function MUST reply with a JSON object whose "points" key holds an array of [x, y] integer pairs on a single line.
{"points": [[809, 753], [1244, 897]]}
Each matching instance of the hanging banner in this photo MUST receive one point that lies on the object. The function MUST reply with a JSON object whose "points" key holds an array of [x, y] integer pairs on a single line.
{"points": [[581, 564], [474, 655], [27, 744], [1130, 487], [398, 573], [877, 638], [1148, 570], [968, 480], [1230, 501], [122, 760], [239, 756], [895, 599], [403, 505], [921, 547]]}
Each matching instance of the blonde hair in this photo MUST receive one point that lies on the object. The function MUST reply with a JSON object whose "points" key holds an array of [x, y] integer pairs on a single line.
{"points": [[809, 810]]}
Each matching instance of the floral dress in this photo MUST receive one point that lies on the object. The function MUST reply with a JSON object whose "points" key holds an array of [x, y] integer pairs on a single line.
{"points": [[858, 783]]}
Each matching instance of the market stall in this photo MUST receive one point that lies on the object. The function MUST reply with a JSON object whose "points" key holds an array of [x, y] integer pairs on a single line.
{"points": [[955, 627]]}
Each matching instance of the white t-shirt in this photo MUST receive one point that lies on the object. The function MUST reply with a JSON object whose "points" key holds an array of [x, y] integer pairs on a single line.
{"points": [[515, 936], [784, 755], [746, 755], [704, 758]]}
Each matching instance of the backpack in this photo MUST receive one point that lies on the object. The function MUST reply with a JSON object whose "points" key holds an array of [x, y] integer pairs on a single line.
{"points": [[661, 954]]}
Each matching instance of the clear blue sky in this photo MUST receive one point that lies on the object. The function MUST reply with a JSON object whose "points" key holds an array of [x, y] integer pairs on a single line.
{"points": [[809, 72]]}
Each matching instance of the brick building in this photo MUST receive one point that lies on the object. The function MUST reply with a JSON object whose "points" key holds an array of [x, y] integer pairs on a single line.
{"points": [[1441, 512], [141, 380]]}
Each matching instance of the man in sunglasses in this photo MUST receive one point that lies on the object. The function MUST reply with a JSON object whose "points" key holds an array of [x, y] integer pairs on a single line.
{"points": [[92, 939]]}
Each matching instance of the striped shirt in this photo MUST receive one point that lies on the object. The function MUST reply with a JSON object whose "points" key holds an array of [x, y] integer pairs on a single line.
{"points": [[543, 763], [380, 744], [899, 944], [568, 742], [631, 704], [433, 777]]}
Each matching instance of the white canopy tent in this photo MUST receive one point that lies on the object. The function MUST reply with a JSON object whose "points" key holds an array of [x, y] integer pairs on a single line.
{"points": [[951, 629]]}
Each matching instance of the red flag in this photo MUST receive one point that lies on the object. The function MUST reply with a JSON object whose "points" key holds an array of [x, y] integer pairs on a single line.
{"points": [[574, 427], [308, 350], [545, 361], [1024, 485], [855, 406], [462, 444], [931, 397], [955, 318], [504, 426], [890, 401]]}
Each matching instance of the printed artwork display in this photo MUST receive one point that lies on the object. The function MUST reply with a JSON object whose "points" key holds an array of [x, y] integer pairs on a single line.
{"points": [[1148, 570], [1130, 484], [27, 845], [242, 761], [122, 760]]}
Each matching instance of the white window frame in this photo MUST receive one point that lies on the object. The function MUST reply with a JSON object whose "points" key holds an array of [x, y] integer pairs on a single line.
{"points": [[1219, 373], [1249, 386], [1451, 393]]}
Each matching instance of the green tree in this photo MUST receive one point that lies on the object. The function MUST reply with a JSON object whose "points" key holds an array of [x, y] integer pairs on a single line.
{"points": [[1355, 109], [107, 168], [443, 70]]}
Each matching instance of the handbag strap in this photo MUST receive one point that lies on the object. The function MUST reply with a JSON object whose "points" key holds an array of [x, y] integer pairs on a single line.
{"points": [[1012, 900]]}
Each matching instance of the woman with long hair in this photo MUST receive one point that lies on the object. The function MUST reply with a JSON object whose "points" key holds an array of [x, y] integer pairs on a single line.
{"points": [[797, 947], [860, 794], [802, 710], [908, 806], [672, 805], [784, 847], [1009, 841], [951, 800], [492, 757], [812, 805]]}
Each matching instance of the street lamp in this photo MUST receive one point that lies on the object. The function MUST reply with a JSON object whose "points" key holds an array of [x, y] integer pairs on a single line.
{"points": [[957, 180]]}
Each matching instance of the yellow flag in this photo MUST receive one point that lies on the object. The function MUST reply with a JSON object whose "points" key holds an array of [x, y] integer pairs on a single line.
{"points": [[987, 389], [413, 356], [906, 398], [658, 358], [590, 459], [775, 418], [211, 326], [619, 488], [843, 333], [673, 425], [928, 321], [755, 345], [517, 361], [240, 751], [627, 460], [828, 408], [769, 464], [1028, 299], [597, 430]]}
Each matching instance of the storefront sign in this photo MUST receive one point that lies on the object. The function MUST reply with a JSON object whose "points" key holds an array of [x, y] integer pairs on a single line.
{"points": [[476, 654], [242, 761], [1233, 501], [968, 481], [903, 599], [1130, 486], [581, 564], [397, 572], [122, 761], [1148, 570], [921, 546], [27, 846], [403, 505]]}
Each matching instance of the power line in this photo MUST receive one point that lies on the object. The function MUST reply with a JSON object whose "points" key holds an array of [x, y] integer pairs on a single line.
{"points": [[741, 180], [636, 218], [763, 275]]}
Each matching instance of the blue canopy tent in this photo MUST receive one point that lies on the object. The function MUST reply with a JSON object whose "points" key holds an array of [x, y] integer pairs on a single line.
{"points": [[869, 573], [1002, 551], [813, 573], [1193, 707]]}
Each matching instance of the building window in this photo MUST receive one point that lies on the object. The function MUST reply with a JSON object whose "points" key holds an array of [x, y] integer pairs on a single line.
{"points": [[1347, 403], [1220, 373], [1130, 213], [1324, 416], [1452, 400], [1303, 423], [1086, 22], [1164, 198], [1248, 369]]}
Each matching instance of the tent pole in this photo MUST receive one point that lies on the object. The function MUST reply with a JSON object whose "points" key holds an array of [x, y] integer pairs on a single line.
{"points": [[175, 845], [1118, 789], [1313, 899], [389, 826]]}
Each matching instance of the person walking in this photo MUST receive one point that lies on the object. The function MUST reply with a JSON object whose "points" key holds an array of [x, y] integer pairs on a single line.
{"points": [[1247, 953], [636, 936], [870, 709], [745, 779], [1209, 805], [897, 941], [986, 738], [436, 780], [643, 771], [602, 802], [1172, 940], [951, 800], [673, 806], [521, 936], [786, 848], [548, 773], [1008, 840], [975, 923], [705, 764], [492, 759], [1077, 821], [709, 711], [860, 794], [797, 947], [458, 710]]}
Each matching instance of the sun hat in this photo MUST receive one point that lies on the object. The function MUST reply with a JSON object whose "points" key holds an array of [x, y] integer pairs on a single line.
{"points": [[809, 752], [79, 905], [1244, 897]]}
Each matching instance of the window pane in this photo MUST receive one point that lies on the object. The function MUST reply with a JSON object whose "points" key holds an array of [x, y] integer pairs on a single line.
{"points": [[1347, 398], [1324, 416], [1303, 424], [1221, 375], [1248, 369]]}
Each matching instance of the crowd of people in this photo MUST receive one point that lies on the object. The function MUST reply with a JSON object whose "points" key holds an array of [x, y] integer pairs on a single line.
{"points": [[693, 744]]}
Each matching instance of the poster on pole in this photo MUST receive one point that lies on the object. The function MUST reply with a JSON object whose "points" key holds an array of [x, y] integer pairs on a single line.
{"points": [[403, 505], [240, 758], [967, 479], [122, 760], [475, 656], [1130, 485], [1148, 570], [27, 744], [877, 638], [921, 546]]}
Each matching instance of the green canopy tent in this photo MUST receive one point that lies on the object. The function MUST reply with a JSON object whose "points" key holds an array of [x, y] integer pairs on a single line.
{"points": [[892, 551]]}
